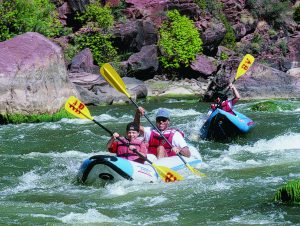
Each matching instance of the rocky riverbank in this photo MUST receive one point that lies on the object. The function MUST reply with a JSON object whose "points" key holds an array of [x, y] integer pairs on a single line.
{"points": [[35, 78]]}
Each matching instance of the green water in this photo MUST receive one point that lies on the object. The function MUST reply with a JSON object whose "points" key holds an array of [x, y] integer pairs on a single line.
{"points": [[39, 163]]}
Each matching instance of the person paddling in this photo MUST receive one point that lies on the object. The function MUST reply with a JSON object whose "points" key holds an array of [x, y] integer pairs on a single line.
{"points": [[225, 104], [157, 144], [132, 141]]}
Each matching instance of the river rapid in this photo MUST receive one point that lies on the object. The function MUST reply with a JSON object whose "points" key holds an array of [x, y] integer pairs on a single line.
{"points": [[39, 163]]}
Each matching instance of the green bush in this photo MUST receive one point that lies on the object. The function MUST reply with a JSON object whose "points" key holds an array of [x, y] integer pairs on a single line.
{"points": [[99, 44], [7, 19], [255, 48], [117, 11], [214, 7], [201, 4], [96, 16], [180, 41], [229, 39], [272, 33], [283, 46], [296, 14], [224, 56], [269, 10], [20, 16], [257, 38]]}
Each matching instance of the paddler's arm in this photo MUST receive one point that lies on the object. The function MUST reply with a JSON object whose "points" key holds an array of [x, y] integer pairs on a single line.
{"points": [[185, 151], [140, 111], [111, 141], [235, 93], [180, 145]]}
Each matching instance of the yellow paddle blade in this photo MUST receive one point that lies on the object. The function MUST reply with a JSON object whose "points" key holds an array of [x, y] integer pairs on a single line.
{"points": [[113, 78], [166, 174], [246, 63], [77, 108], [195, 171]]}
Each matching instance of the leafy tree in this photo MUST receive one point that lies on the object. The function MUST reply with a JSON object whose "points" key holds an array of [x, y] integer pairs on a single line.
{"points": [[96, 16], [20, 16], [296, 14], [201, 4], [179, 41], [7, 19], [99, 44]]}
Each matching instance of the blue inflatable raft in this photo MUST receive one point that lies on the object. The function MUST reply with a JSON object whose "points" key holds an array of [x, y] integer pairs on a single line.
{"points": [[104, 169], [222, 125]]}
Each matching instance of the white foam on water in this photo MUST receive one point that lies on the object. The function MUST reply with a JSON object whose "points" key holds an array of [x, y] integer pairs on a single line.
{"points": [[61, 170], [108, 118], [91, 216], [52, 125], [66, 154], [27, 181], [153, 201], [171, 217], [281, 149], [105, 117], [18, 137], [267, 180], [86, 132], [122, 188], [76, 121], [255, 218], [122, 205], [290, 141], [43, 216], [222, 185]]}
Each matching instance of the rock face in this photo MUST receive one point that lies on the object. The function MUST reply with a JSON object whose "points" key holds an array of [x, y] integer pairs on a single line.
{"points": [[260, 82], [272, 83], [33, 76]]}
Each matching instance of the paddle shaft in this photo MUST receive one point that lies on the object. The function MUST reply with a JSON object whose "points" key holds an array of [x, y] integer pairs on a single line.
{"points": [[111, 133], [160, 133], [123, 142]]}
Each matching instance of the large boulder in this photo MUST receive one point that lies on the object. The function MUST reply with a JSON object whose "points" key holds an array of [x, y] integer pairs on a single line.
{"points": [[84, 62], [33, 76], [143, 64], [133, 35], [94, 90], [204, 66]]}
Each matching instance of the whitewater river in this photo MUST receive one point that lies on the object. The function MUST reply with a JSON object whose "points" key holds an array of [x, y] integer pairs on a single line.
{"points": [[39, 163]]}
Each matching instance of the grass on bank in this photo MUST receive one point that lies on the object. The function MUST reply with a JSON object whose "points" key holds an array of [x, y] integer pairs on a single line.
{"points": [[19, 118]]}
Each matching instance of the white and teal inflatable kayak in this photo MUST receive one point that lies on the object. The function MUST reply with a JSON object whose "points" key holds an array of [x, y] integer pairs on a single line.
{"points": [[103, 169]]}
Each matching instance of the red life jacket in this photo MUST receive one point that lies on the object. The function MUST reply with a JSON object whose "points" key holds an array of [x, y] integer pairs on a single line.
{"points": [[124, 152], [156, 140], [225, 106]]}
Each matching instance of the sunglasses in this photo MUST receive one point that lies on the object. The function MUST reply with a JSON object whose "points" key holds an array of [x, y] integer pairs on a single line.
{"points": [[161, 119]]}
